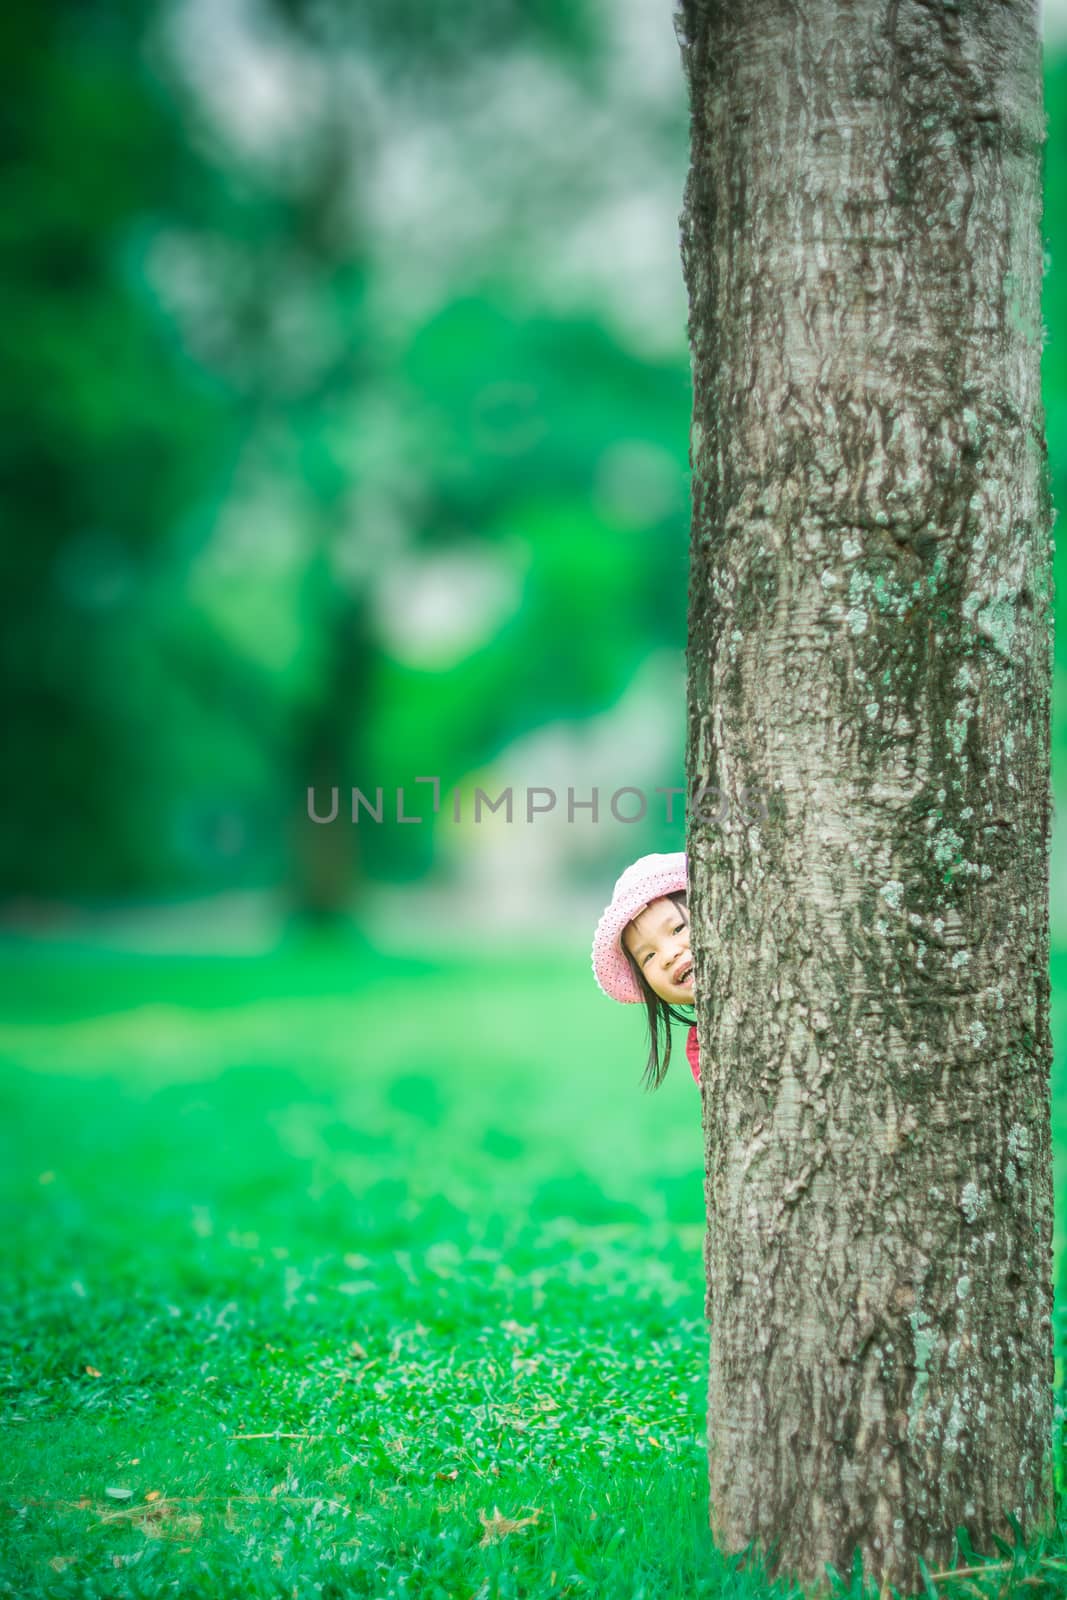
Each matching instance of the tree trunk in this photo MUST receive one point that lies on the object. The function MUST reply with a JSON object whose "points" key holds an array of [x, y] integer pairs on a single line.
{"points": [[870, 646]]}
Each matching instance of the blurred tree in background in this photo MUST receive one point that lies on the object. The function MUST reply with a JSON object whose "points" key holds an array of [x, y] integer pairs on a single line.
{"points": [[108, 436], [345, 423]]}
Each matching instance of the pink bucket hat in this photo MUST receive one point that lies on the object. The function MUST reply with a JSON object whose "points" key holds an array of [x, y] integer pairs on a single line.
{"points": [[649, 878]]}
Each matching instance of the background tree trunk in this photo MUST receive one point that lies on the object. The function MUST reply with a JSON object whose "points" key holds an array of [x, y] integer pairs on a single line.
{"points": [[870, 644]]}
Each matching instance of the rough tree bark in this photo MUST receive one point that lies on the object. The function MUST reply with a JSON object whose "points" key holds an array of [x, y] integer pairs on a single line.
{"points": [[870, 645]]}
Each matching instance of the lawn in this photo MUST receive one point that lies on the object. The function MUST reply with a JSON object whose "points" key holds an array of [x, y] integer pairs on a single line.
{"points": [[331, 1274]]}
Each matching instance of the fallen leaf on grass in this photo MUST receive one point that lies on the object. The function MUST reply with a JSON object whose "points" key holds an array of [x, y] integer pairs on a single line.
{"points": [[57, 1563], [447, 1476], [153, 1494], [172, 1524], [139, 1514], [119, 1494], [93, 1372], [161, 1519], [498, 1526]]}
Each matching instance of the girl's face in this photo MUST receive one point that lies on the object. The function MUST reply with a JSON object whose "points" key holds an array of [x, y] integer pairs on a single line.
{"points": [[658, 940]]}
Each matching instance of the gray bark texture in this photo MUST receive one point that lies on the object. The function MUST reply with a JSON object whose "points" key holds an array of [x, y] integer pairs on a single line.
{"points": [[870, 638]]}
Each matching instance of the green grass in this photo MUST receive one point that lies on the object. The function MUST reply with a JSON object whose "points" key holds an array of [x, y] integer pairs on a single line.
{"points": [[418, 1224]]}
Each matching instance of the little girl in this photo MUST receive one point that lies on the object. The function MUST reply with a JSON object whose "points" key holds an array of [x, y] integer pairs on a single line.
{"points": [[641, 953]]}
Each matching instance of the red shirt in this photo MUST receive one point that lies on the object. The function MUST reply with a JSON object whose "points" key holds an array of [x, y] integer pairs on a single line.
{"points": [[692, 1051]]}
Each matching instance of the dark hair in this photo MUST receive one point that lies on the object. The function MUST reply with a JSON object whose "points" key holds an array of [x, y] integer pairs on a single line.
{"points": [[660, 1012]]}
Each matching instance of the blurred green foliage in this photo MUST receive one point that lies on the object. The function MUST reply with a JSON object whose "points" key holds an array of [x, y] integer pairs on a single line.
{"points": [[322, 461]]}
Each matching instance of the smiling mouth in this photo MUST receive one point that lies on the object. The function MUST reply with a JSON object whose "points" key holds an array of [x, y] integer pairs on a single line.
{"points": [[685, 976]]}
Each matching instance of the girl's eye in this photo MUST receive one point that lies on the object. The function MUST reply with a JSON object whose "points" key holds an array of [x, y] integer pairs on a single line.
{"points": [[679, 928], [646, 959]]}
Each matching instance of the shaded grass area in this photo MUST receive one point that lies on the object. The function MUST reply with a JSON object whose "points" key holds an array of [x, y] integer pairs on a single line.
{"points": [[331, 1274]]}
